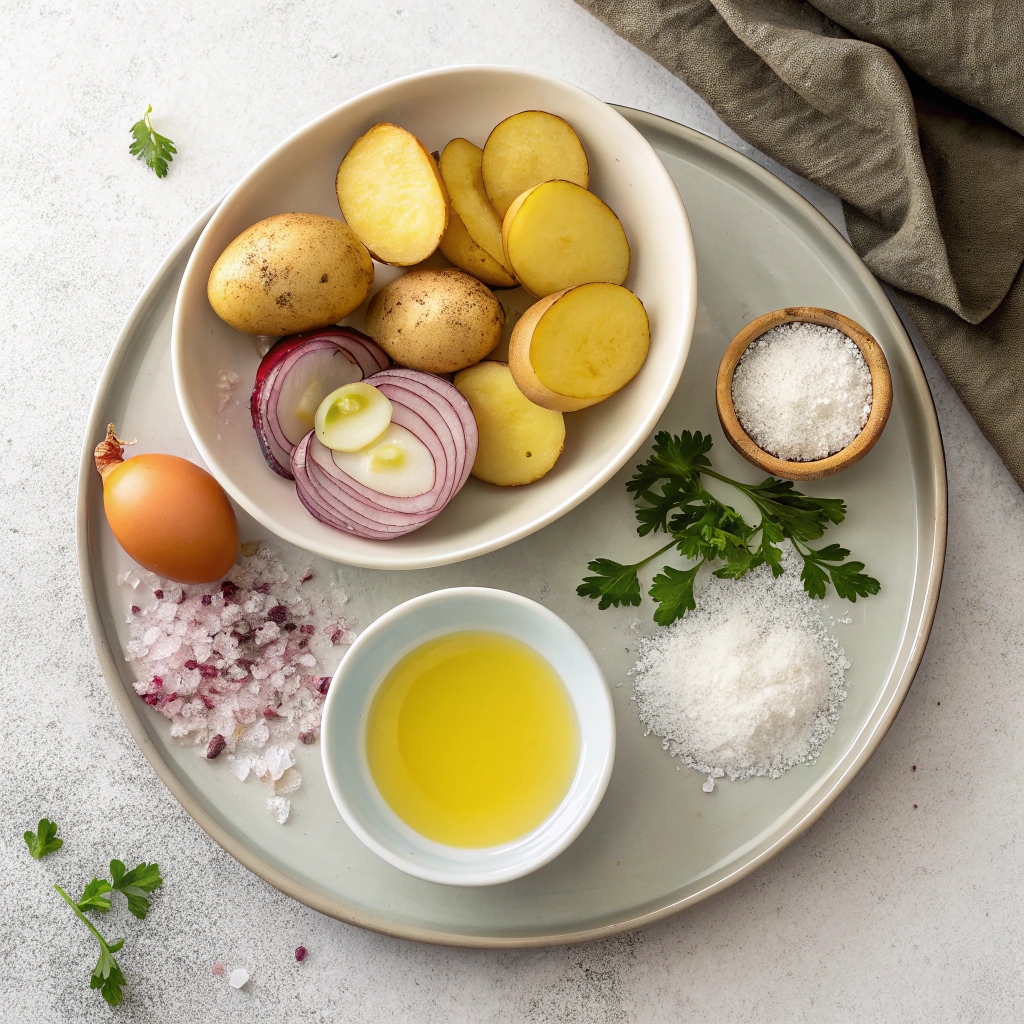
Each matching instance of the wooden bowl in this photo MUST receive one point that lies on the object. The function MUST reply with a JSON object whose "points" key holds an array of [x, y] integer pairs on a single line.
{"points": [[881, 394]]}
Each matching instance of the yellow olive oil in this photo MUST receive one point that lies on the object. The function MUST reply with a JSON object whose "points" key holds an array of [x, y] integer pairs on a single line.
{"points": [[472, 739]]}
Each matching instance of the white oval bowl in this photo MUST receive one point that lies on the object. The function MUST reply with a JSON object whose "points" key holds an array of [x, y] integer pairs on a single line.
{"points": [[299, 176], [380, 647]]}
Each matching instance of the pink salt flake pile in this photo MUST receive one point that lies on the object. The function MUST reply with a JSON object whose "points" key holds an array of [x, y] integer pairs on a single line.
{"points": [[238, 666]]}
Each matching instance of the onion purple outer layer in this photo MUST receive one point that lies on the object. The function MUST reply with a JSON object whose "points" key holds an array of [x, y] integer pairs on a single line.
{"points": [[362, 357], [432, 409]]}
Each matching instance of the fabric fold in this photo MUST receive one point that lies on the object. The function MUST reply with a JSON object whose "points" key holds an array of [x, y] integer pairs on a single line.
{"points": [[907, 112]]}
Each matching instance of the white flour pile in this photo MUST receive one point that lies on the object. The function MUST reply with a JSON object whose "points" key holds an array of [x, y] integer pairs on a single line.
{"points": [[748, 684], [802, 391]]}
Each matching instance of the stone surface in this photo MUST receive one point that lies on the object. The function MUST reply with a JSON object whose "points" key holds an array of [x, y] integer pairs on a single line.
{"points": [[903, 903]]}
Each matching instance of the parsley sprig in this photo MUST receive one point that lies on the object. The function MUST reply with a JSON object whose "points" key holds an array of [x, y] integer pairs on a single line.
{"points": [[106, 975], [45, 840], [149, 145], [135, 886], [671, 498]]}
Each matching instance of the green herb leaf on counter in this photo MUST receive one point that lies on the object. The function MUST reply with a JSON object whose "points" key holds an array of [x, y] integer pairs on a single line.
{"points": [[94, 896], [45, 840], [671, 498], [149, 145], [106, 975], [135, 884]]}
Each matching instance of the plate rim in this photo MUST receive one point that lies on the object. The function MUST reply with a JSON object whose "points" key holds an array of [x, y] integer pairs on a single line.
{"points": [[89, 488]]}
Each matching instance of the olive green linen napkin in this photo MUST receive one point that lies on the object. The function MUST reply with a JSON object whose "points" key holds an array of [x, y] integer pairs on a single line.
{"points": [[912, 113]]}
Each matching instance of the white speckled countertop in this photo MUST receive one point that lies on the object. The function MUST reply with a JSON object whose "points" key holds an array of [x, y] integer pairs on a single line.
{"points": [[903, 903]]}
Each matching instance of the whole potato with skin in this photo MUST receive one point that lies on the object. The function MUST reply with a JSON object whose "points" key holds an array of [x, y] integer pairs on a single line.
{"points": [[290, 273], [438, 321]]}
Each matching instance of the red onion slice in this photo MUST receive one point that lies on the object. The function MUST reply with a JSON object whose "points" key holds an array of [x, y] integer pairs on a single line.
{"points": [[323, 503], [437, 414], [301, 371], [453, 406], [348, 489]]}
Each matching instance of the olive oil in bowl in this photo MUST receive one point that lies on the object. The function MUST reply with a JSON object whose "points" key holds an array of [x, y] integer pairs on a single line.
{"points": [[472, 739]]}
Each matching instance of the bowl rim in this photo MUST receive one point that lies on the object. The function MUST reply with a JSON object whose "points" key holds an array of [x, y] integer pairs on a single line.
{"points": [[598, 697], [382, 555], [813, 469]]}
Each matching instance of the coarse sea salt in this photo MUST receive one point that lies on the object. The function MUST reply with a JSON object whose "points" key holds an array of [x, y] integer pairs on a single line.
{"points": [[226, 388], [234, 665], [749, 683], [802, 391], [238, 977]]}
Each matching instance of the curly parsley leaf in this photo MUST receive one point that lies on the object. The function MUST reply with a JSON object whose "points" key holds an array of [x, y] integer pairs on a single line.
{"points": [[135, 885], [673, 590], [679, 457], [43, 841], [149, 145], [94, 896], [106, 975], [829, 563], [797, 515], [614, 583], [671, 498]]}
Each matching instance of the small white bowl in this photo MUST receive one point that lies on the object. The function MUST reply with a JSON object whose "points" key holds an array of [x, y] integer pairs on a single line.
{"points": [[368, 661], [299, 176]]}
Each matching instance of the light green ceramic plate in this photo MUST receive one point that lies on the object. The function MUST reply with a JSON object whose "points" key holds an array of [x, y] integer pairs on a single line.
{"points": [[657, 843]]}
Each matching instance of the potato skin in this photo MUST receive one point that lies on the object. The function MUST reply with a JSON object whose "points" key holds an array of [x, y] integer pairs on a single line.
{"points": [[289, 273], [438, 321], [519, 441]]}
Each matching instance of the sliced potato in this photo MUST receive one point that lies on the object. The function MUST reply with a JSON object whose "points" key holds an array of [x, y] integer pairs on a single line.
{"points": [[579, 346], [458, 248], [438, 321], [558, 235], [460, 168], [519, 441], [391, 193], [290, 273], [526, 149]]}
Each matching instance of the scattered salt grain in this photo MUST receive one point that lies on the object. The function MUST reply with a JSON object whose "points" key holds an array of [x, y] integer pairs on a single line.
{"points": [[226, 387], [279, 807], [288, 783], [802, 391], [747, 684], [238, 977], [234, 665], [709, 784]]}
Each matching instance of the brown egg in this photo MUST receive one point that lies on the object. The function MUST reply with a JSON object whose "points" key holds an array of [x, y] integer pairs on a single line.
{"points": [[171, 516]]}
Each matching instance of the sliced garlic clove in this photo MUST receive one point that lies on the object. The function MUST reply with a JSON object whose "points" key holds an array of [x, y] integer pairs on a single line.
{"points": [[352, 417]]}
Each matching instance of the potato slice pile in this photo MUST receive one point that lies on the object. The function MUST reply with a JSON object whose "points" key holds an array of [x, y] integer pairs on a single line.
{"points": [[516, 212]]}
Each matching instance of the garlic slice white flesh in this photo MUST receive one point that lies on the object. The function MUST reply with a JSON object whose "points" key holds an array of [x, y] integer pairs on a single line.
{"points": [[398, 464], [352, 417]]}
